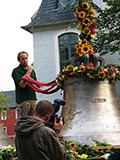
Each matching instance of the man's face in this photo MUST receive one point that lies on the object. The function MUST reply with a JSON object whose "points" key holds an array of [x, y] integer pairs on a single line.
{"points": [[23, 59]]}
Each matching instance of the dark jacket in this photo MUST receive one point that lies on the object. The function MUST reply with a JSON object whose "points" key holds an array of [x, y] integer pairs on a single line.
{"points": [[35, 141], [115, 155]]}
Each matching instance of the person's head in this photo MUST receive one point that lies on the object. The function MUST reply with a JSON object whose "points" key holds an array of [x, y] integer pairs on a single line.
{"points": [[23, 58], [44, 109]]}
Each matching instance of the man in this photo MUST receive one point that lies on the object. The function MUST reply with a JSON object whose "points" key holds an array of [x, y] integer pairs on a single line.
{"points": [[34, 139], [25, 96]]}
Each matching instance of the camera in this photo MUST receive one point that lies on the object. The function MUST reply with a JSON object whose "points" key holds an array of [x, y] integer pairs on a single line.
{"points": [[57, 103]]}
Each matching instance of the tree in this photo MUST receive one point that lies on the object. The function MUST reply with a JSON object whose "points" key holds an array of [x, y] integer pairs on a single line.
{"points": [[107, 39], [3, 101]]}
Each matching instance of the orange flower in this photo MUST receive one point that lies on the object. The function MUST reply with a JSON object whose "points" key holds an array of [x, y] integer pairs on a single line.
{"points": [[92, 10]]}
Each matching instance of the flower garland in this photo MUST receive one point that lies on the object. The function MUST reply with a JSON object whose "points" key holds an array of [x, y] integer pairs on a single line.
{"points": [[87, 23], [111, 73]]}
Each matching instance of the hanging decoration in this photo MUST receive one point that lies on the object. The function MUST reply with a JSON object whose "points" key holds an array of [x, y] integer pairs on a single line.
{"points": [[86, 26], [37, 85]]}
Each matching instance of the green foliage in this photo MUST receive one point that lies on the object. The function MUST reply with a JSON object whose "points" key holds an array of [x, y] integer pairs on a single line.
{"points": [[8, 153], [75, 151], [108, 29], [4, 101]]}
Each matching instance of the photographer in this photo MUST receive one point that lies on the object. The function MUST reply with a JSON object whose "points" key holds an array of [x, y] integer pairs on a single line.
{"points": [[34, 140]]}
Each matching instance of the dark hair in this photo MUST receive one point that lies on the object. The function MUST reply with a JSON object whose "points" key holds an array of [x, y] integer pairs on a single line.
{"points": [[44, 107], [22, 52]]}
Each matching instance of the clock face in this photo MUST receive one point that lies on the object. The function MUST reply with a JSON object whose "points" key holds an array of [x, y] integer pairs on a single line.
{"points": [[66, 2]]}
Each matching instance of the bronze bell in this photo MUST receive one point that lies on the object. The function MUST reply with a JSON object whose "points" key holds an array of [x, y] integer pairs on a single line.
{"points": [[92, 111]]}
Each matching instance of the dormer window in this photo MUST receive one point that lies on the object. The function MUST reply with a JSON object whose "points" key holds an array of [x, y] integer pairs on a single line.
{"points": [[65, 3]]}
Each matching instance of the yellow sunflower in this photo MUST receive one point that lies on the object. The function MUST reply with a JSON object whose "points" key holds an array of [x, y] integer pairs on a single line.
{"points": [[106, 70], [93, 21], [82, 68], [72, 145], [86, 21], [69, 67], [84, 41], [101, 74], [87, 30], [85, 6], [85, 49], [81, 14]]}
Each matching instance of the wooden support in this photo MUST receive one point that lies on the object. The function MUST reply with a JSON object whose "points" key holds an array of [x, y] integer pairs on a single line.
{"points": [[107, 147]]}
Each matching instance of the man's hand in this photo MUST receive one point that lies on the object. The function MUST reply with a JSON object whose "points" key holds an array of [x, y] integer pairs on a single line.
{"points": [[29, 70], [23, 83], [105, 156], [58, 126]]}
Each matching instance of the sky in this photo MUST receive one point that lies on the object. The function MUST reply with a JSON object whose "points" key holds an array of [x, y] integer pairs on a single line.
{"points": [[13, 39]]}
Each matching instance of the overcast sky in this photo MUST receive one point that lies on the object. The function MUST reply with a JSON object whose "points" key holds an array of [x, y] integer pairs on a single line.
{"points": [[13, 15]]}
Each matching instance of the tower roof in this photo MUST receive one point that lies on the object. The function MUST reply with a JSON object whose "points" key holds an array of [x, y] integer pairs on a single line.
{"points": [[50, 13]]}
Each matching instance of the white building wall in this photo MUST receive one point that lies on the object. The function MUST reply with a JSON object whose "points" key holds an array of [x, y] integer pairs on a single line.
{"points": [[46, 57], [112, 59], [100, 3]]}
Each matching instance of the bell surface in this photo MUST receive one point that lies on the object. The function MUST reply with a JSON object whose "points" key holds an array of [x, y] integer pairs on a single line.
{"points": [[92, 111]]}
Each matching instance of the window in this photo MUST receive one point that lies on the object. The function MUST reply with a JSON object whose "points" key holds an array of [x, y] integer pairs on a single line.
{"points": [[3, 115], [67, 48], [4, 129]]}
